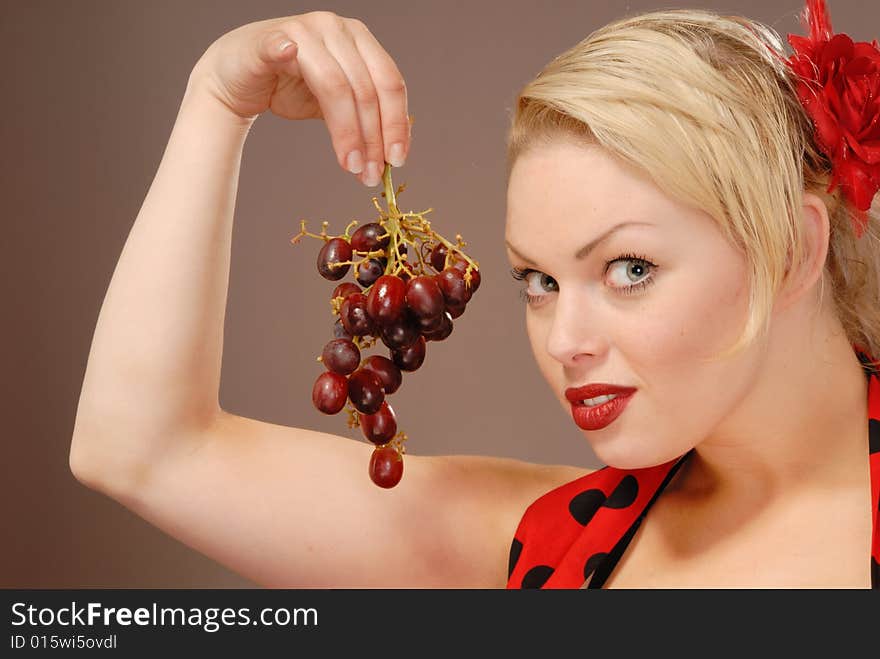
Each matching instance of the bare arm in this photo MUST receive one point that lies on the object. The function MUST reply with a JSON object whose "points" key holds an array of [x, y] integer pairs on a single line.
{"points": [[154, 368], [294, 508]]}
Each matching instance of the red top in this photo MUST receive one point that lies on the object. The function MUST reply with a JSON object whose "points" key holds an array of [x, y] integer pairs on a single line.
{"points": [[579, 531]]}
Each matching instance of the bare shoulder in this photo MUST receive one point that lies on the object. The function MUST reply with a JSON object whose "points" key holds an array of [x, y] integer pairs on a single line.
{"points": [[504, 488], [514, 484]]}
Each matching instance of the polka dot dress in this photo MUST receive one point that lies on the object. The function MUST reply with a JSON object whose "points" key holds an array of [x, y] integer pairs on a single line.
{"points": [[574, 535]]}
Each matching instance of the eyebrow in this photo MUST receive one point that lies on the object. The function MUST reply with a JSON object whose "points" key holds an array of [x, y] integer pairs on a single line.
{"points": [[584, 251]]}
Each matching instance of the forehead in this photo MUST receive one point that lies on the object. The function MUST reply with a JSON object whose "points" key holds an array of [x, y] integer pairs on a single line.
{"points": [[566, 184]]}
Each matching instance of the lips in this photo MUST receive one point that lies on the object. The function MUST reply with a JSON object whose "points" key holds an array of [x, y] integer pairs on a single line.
{"points": [[598, 416], [576, 395]]}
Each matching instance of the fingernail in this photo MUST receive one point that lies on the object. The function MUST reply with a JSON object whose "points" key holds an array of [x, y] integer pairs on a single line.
{"points": [[355, 162], [285, 45], [395, 155], [372, 177]]}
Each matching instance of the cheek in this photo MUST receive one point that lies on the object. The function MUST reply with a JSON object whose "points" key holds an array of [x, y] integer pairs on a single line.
{"points": [[697, 319], [537, 329]]}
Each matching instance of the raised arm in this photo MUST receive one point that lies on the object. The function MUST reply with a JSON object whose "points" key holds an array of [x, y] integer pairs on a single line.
{"points": [[282, 506], [154, 367], [153, 372]]}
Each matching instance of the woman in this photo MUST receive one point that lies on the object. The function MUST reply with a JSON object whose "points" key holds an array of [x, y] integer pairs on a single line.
{"points": [[668, 214]]}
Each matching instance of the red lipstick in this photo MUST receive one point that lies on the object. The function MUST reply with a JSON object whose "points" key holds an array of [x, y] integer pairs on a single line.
{"points": [[598, 416]]}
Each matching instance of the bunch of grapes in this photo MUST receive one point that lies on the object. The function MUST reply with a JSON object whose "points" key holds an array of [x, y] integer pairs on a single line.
{"points": [[400, 301]]}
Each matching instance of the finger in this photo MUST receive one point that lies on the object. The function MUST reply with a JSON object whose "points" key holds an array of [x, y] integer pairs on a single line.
{"points": [[275, 48], [330, 86], [391, 90], [341, 46]]}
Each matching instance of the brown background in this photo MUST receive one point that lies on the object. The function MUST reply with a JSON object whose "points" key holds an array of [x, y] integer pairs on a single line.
{"points": [[91, 91]]}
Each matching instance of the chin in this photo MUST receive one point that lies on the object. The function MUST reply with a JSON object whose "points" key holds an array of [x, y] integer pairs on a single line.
{"points": [[625, 452]]}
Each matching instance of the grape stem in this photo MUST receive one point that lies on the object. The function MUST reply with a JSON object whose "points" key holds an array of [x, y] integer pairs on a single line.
{"points": [[390, 197], [397, 226], [401, 229], [392, 222]]}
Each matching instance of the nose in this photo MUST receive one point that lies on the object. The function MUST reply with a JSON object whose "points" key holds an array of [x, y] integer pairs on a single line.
{"points": [[575, 332]]}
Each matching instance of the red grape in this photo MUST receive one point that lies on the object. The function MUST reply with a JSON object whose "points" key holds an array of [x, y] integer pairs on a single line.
{"points": [[424, 297], [461, 265], [386, 466], [387, 371], [411, 357], [451, 283], [380, 427], [438, 257], [334, 251], [402, 333], [455, 310], [365, 391], [444, 331], [330, 392], [370, 271], [431, 324], [341, 356], [353, 314], [345, 289], [339, 331], [386, 300], [366, 237]]}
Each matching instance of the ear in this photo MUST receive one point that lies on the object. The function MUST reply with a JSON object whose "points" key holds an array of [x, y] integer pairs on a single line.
{"points": [[817, 231]]}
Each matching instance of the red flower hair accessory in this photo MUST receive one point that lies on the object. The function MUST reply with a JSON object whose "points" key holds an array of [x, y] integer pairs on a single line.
{"points": [[839, 86]]}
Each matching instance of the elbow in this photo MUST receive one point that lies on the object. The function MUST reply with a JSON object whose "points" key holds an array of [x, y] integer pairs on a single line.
{"points": [[83, 469], [111, 476]]}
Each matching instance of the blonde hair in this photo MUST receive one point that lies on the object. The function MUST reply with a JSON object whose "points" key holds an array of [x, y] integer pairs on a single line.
{"points": [[699, 102]]}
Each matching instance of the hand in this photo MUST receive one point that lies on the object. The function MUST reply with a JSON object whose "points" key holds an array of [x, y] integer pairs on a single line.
{"points": [[334, 69]]}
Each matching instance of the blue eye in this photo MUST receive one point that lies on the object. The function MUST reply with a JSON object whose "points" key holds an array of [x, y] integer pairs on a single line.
{"points": [[636, 266], [541, 279], [637, 274]]}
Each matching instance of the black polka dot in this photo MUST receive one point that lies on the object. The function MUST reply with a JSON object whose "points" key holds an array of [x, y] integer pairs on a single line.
{"points": [[537, 576], [624, 494], [873, 436], [869, 368], [593, 562], [584, 505], [515, 550], [875, 573]]}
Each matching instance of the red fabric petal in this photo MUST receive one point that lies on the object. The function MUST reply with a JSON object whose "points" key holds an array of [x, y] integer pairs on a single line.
{"points": [[832, 98], [871, 130], [817, 19], [868, 50], [839, 48], [850, 112], [828, 131], [856, 92], [874, 173], [868, 151], [859, 66], [802, 46], [856, 183]]}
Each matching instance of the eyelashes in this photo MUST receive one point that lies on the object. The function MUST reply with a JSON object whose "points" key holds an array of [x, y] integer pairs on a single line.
{"points": [[521, 274]]}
